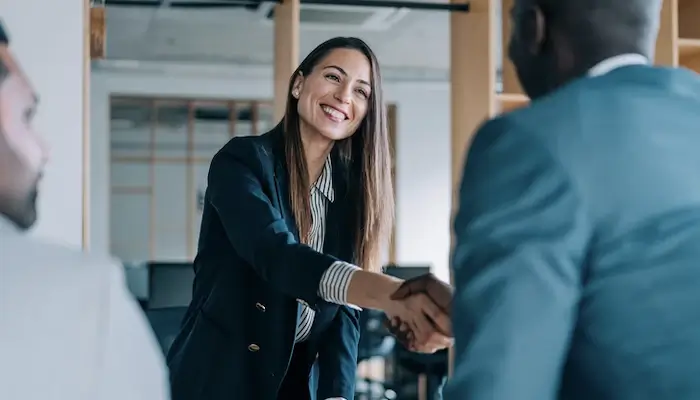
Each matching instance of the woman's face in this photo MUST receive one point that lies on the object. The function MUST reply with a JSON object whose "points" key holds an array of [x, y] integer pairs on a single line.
{"points": [[334, 97]]}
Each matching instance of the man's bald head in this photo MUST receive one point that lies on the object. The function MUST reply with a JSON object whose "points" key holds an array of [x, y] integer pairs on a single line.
{"points": [[556, 40], [628, 24]]}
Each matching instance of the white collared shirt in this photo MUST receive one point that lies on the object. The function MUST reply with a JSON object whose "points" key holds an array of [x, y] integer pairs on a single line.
{"points": [[619, 61], [70, 328]]}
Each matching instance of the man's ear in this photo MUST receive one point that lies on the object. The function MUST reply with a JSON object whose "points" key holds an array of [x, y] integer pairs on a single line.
{"points": [[533, 29]]}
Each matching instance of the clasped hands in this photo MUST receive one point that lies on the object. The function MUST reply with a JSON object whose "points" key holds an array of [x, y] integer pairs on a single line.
{"points": [[419, 316]]}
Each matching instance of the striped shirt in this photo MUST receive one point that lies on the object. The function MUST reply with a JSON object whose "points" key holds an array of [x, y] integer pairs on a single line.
{"points": [[335, 281]]}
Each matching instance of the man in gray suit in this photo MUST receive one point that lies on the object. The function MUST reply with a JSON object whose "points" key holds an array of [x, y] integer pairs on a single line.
{"points": [[577, 262], [69, 329]]}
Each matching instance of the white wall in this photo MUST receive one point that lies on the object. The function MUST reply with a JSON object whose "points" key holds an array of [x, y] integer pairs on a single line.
{"points": [[47, 39], [423, 163]]}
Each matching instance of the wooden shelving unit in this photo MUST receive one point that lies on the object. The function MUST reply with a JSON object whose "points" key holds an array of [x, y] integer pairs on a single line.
{"points": [[688, 33], [511, 101]]}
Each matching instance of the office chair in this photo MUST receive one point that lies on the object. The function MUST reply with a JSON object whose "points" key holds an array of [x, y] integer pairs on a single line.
{"points": [[431, 368], [375, 342], [169, 294], [165, 323]]}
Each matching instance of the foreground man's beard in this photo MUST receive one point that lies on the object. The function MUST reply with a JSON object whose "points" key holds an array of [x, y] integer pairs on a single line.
{"points": [[22, 213]]}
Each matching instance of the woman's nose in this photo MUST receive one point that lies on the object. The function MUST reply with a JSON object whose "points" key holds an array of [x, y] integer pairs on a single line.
{"points": [[343, 94]]}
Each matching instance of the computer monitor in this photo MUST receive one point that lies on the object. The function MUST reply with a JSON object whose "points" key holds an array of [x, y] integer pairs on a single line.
{"points": [[406, 272], [170, 284]]}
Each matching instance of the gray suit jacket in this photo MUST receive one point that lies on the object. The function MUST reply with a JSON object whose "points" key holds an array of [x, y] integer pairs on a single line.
{"points": [[577, 262], [69, 329]]}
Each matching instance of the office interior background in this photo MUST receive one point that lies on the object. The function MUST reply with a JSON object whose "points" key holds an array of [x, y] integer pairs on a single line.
{"points": [[132, 131]]}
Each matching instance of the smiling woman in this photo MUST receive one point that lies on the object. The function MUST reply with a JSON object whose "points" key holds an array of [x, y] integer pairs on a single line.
{"points": [[336, 98], [293, 226]]}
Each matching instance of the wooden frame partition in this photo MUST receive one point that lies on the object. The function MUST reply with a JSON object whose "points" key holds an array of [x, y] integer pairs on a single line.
{"points": [[190, 158], [687, 39]]}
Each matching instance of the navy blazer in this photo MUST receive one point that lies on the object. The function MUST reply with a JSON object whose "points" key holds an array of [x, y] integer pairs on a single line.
{"points": [[252, 274], [577, 256]]}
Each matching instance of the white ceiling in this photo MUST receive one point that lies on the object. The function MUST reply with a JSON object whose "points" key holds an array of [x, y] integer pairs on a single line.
{"points": [[419, 41]]}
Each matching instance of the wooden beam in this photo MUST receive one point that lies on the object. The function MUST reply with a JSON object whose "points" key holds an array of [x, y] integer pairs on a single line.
{"points": [[667, 41], [86, 123], [146, 190], [391, 124], [286, 49], [98, 32], [473, 79]]}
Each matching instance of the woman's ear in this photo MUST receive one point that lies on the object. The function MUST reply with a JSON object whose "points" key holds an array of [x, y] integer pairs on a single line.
{"points": [[298, 85]]}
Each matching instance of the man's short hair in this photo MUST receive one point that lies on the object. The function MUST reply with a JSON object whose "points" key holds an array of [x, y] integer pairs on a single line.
{"points": [[4, 41]]}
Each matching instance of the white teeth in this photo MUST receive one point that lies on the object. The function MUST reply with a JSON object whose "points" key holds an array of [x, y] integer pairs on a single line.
{"points": [[333, 113]]}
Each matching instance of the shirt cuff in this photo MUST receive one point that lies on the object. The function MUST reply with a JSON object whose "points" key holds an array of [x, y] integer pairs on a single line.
{"points": [[335, 282]]}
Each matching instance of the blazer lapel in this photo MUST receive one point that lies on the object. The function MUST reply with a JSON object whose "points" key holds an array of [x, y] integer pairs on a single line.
{"points": [[339, 241], [281, 178], [282, 181]]}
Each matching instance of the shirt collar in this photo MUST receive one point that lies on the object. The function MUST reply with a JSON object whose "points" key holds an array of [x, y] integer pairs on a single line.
{"points": [[324, 183], [615, 62]]}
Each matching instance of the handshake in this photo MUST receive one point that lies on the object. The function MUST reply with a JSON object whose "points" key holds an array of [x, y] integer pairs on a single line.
{"points": [[419, 315]]}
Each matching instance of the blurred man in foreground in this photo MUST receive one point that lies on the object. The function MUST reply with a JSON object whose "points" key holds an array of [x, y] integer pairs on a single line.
{"points": [[69, 329], [577, 258]]}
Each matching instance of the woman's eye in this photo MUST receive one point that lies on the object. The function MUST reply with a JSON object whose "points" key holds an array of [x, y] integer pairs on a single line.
{"points": [[362, 93], [332, 77]]}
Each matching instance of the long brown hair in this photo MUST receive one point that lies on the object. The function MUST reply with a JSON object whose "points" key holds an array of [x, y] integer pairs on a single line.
{"points": [[366, 154]]}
